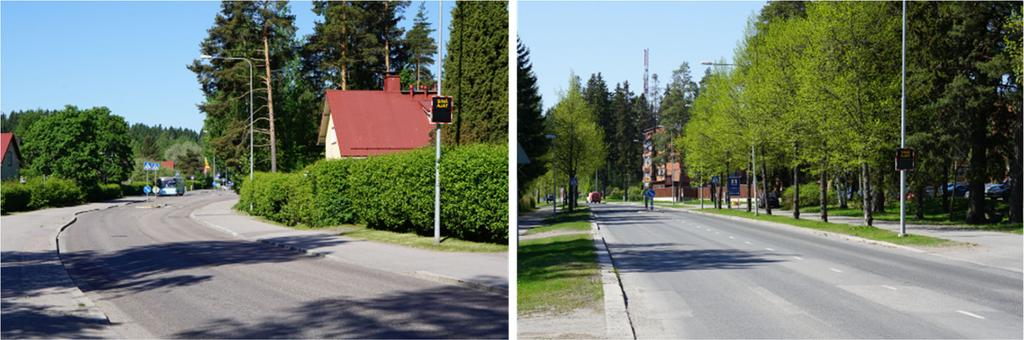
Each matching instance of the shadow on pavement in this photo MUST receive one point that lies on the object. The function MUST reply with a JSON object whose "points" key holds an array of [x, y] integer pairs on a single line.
{"points": [[151, 267], [656, 258], [28, 321], [439, 312]]}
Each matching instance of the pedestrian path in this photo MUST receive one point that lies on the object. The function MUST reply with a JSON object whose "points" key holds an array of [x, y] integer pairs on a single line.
{"points": [[488, 271], [39, 298]]}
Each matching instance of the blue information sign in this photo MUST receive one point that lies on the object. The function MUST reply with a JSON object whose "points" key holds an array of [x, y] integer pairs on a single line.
{"points": [[147, 189], [734, 185]]}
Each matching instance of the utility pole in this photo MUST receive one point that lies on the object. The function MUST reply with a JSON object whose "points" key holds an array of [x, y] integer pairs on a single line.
{"points": [[753, 159], [903, 124], [437, 136]]}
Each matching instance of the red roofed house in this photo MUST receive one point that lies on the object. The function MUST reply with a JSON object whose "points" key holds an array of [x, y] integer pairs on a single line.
{"points": [[11, 156], [361, 123]]}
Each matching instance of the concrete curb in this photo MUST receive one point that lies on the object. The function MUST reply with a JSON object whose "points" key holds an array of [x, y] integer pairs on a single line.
{"points": [[423, 275], [92, 310], [618, 324]]}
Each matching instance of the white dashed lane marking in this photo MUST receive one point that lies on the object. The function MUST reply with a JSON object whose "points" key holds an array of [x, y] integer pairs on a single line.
{"points": [[769, 249], [836, 270], [889, 287], [976, 316]]}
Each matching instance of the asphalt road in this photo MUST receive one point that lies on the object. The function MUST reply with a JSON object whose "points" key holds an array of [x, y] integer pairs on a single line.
{"points": [[157, 273], [692, 276]]}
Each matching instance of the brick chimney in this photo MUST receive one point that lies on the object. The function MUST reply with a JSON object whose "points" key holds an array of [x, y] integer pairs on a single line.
{"points": [[392, 83]]}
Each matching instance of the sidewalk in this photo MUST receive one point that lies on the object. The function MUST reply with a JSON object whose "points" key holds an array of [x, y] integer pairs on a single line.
{"points": [[487, 271], [533, 219], [993, 249], [39, 298]]}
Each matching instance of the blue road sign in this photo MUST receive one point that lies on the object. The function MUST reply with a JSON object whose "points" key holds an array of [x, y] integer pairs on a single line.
{"points": [[150, 166], [734, 185], [147, 189], [650, 193], [572, 181], [715, 180]]}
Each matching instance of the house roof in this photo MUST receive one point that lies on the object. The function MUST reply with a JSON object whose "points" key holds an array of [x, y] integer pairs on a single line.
{"points": [[6, 139], [376, 122]]}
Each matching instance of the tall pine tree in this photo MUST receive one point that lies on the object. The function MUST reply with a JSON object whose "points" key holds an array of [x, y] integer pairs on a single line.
{"points": [[476, 73], [531, 135]]}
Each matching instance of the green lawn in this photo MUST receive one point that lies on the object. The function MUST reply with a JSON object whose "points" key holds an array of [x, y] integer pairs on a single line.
{"points": [[558, 274], [564, 220], [933, 218], [859, 231]]}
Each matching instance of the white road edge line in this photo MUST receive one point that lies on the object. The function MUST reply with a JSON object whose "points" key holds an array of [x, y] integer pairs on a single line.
{"points": [[976, 316], [769, 249], [836, 270], [889, 287], [798, 258]]}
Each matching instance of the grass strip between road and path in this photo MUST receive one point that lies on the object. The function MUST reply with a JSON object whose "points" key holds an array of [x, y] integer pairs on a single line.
{"points": [[403, 239], [937, 218], [559, 274], [871, 233]]}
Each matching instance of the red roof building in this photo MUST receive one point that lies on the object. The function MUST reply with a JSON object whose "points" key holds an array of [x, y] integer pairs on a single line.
{"points": [[10, 155], [361, 123]]}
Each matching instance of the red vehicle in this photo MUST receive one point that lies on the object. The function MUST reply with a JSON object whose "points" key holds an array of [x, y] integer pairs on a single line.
{"points": [[594, 197]]}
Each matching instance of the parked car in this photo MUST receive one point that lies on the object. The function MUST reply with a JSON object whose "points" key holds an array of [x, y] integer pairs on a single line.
{"points": [[958, 189], [997, 190], [772, 200], [549, 198], [594, 197]]}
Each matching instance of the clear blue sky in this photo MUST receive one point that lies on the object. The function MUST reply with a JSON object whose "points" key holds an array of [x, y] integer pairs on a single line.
{"points": [[609, 37], [128, 56]]}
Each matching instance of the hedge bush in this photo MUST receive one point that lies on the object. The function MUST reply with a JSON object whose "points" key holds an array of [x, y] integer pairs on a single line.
{"points": [[15, 197], [105, 192], [809, 196], [133, 188], [393, 192]]}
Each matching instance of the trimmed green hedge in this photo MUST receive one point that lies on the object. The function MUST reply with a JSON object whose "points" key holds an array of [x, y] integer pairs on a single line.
{"points": [[40, 193], [393, 192], [133, 189]]}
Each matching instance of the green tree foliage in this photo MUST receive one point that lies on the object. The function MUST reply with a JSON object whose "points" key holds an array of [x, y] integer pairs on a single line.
{"points": [[422, 49], [476, 73], [353, 42], [578, 148], [90, 147], [187, 157], [20, 122], [628, 136], [530, 133]]}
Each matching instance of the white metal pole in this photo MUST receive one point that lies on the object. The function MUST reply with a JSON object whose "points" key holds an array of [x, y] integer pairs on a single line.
{"points": [[903, 124], [437, 136], [251, 127]]}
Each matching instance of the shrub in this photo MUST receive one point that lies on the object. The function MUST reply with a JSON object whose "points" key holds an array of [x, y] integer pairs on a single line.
{"points": [[393, 192], [53, 192], [105, 192], [809, 196], [133, 189], [15, 197]]}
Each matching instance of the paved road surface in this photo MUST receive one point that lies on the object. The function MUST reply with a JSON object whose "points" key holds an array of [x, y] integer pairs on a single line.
{"points": [[693, 276], [155, 272]]}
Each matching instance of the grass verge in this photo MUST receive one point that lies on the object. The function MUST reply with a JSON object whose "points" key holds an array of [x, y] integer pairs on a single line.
{"points": [[870, 233], [403, 239], [577, 220], [929, 218], [558, 274]]}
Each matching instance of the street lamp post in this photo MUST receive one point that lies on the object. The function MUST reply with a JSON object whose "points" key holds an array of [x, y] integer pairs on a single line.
{"points": [[437, 138], [903, 124], [554, 186], [207, 56]]}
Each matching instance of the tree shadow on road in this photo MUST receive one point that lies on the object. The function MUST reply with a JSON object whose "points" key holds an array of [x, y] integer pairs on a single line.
{"points": [[667, 257], [28, 321], [438, 312], [153, 267]]}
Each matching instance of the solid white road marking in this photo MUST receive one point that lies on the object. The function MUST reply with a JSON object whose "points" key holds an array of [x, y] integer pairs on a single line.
{"points": [[889, 287], [732, 238], [798, 258], [836, 270], [769, 249], [747, 242], [976, 316]]}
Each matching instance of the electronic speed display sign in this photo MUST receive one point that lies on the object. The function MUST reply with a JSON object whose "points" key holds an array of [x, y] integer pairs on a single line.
{"points": [[905, 159], [441, 110]]}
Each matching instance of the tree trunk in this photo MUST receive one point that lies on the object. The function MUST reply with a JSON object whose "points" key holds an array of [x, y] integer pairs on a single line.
{"points": [[270, 99], [764, 184], [842, 187], [879, 192], [824, 195], [919, 197], [1016, 172], [796, 192], [865, 187], [749, 192], [945, 190], [387, 46], [977, 176]]}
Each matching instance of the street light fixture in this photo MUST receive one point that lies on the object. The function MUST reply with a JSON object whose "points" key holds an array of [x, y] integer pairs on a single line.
{"points": [[251, 127]]}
